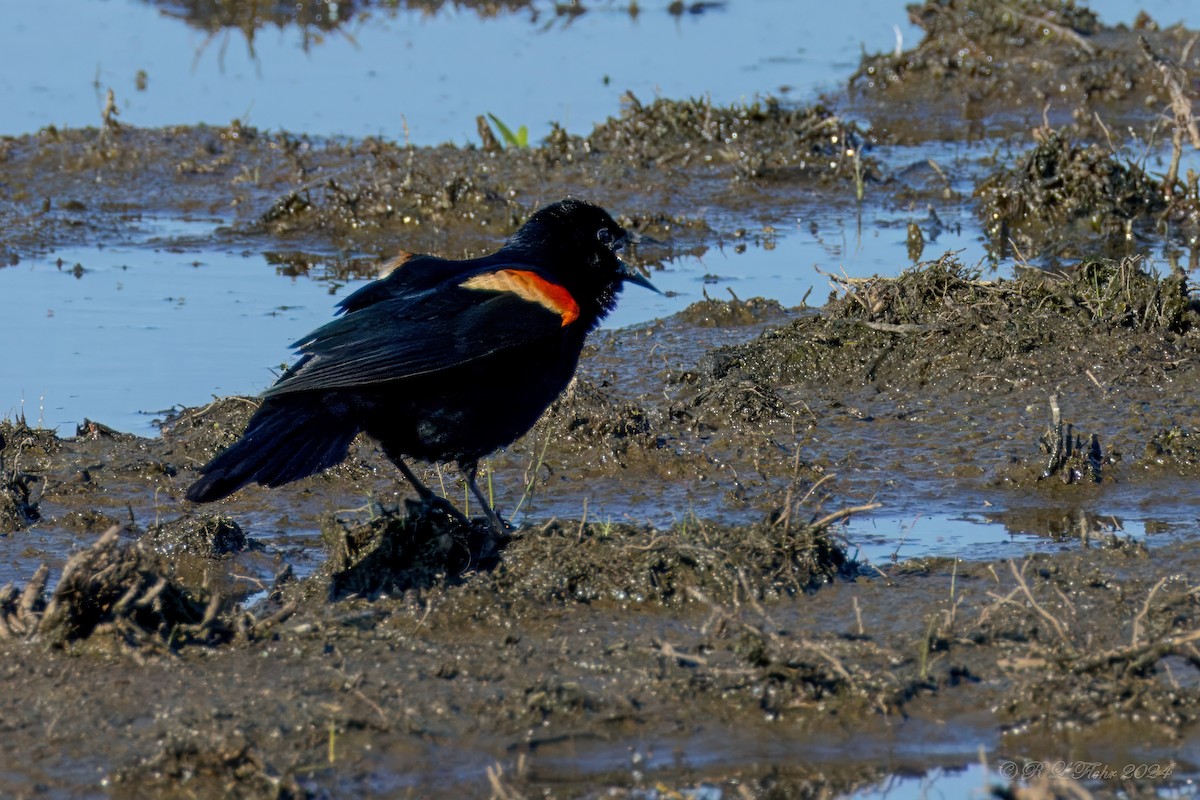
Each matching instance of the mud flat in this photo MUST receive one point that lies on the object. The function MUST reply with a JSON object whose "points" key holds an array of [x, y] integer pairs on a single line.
{"points": [[680, 604], [592, 649]]}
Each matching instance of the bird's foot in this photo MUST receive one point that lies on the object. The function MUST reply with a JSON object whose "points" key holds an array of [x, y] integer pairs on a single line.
{"points": [[499, 535], [437, 504], [484, 538]]}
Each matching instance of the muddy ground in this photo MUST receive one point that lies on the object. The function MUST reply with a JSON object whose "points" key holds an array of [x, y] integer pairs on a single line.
{"points": [[729, 636]]}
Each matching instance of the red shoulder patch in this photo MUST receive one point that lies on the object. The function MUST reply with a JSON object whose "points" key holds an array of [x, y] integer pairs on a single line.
{"points": [[528, 286]]}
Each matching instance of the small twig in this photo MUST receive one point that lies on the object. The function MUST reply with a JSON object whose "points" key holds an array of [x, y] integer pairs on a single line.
{"points": [[1059, 628], [668, 650], [1173, 77], [266, 623], [840, 514], [1135, 638], [903, 328]]}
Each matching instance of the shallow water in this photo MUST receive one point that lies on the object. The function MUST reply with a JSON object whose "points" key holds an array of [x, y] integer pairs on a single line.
{"points": [[398, 73]]}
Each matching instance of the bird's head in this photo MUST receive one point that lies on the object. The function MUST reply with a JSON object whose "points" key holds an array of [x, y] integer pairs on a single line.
{"points": [[578, 242]]}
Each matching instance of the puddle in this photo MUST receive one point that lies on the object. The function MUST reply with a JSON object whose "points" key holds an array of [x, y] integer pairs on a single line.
{"points": [[998, 778], [124, 333], [882, 539], [973, 781]]}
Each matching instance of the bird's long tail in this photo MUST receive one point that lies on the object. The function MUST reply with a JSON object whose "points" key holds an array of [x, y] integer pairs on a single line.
{"points": [[288, 438]]}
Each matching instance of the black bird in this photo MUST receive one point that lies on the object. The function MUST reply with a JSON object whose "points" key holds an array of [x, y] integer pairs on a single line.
{"points": [[440, 360]]}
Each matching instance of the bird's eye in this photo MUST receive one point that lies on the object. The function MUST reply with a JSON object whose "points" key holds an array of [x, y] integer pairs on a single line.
{"points": [[612, 241]]}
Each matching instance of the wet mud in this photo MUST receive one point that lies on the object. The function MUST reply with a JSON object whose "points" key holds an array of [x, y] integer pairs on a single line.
{"points": [[678, 606], [403, 658]]}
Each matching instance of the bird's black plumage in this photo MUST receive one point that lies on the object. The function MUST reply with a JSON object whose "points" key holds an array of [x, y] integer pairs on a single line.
{"points": [[440, 360]]}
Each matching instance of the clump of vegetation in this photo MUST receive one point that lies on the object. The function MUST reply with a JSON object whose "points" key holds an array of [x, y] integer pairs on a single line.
{"points": [[609, 561], [126, 594], [761, 140], [1070, 673], [1062, 194], [967, 38], [19, 495], [945, 293], [878, 329], [200, 433], [117, 588], [1118, 294]]}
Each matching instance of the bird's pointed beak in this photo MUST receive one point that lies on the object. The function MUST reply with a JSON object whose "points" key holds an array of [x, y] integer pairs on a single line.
{"points": [[631, 275]]}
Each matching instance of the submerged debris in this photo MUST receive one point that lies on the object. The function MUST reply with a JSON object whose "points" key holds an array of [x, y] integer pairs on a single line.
{"points": [[1068, 457]]}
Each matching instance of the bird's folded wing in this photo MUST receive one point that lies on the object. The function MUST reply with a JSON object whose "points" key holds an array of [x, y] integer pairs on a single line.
{"points": [[417, 333]]}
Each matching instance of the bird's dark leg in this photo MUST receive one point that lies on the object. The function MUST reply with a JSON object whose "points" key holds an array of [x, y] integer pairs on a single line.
{"points": [[424, 492], [498, 526]]}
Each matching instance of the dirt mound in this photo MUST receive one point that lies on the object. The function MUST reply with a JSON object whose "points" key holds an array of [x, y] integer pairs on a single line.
{"points": [[882, 329], [391, 552], [712, 313], [206, 536]]}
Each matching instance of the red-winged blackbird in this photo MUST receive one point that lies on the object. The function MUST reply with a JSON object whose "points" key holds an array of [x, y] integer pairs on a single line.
{"points": [[440, 360]]}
